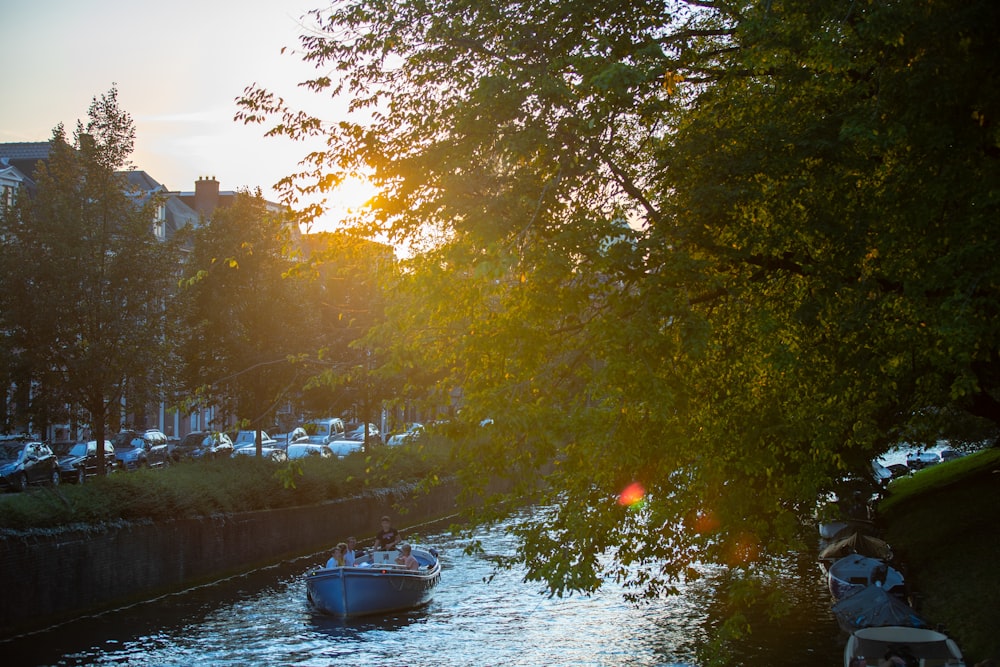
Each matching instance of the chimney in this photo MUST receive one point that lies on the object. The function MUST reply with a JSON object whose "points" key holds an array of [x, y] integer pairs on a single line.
{"points": [[206, 195]]}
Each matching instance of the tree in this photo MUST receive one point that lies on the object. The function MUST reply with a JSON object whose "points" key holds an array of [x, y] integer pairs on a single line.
{"points": [[347, 299], [815, 185], [242, 319], [83, 311]]}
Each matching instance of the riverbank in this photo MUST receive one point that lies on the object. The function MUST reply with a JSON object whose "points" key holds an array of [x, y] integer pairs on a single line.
{"points": [[944, 526]]}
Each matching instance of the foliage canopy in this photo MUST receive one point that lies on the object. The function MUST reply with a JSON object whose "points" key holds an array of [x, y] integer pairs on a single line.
{"points": [[729, 250]]}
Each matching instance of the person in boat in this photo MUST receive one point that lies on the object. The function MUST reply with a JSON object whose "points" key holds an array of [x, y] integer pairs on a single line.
{"points": [[350, 552], [406, 558], [337, 558], [387, 538], [901, 657]]}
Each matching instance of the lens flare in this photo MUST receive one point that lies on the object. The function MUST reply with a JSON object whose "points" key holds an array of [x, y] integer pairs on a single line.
{"points": [[631, 495], [706, 522]]}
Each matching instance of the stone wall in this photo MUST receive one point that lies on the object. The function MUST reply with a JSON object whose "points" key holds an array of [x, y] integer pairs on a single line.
{"points": [[51, 577]]}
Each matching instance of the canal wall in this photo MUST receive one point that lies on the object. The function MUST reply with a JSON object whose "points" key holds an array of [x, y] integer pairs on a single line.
{"points": [[49, 577]]}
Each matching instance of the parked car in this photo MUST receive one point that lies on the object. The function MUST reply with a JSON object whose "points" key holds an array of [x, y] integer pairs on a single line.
{"points": [[950, 455], [354, 440], [276, 454], [301, 450], [356, 430], [898, 470], [244, 438], [136, 449], [297, 435], [26, 462], [916, 460], [78, 460], [413, 432], [204, 445], [324, 431]]}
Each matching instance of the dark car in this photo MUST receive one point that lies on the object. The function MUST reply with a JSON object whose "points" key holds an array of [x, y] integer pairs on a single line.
{"points": [[78, 460], [136, 449], [204, 445], [27, 462], [918, 459]]}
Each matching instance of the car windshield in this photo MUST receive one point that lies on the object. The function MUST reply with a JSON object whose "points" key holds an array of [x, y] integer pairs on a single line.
{"points": [[80, 449]]}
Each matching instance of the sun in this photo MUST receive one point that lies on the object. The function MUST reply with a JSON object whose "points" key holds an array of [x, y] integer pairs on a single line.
{"points": [[353, 194], [349, 198]]}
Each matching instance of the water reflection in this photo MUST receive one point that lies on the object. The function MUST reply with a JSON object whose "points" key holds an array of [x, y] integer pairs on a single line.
{"points": [[264, 618]]}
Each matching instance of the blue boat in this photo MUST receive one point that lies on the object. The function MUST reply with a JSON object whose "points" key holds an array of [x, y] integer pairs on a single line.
{"points": [[374, 585]]}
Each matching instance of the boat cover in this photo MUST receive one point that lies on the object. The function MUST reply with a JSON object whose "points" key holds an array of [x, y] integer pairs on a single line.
{"points": [[857, 543], [875, 607]]}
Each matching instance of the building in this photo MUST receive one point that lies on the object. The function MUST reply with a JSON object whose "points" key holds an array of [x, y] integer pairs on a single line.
{"points": [[17, 167], [176, 210]]}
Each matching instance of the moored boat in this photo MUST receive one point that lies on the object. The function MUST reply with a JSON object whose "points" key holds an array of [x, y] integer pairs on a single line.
{"points": [[374, 585], [855, 542], [913, 646], [855, 573], [831, 531], [874, 607]]}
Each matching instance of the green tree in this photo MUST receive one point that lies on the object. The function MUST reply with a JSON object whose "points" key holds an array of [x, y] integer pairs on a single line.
{"points": [[346, 296], [816, 186], [242, 320], [83, 310]]}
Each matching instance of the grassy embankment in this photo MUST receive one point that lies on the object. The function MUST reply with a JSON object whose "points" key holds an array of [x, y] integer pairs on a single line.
{"points": [[206, 488], [943, 523]]}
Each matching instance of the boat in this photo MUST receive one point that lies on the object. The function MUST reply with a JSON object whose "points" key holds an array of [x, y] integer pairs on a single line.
{"points": [[855, 542], [918, 647], [854, 573], [375, 584], [875, 607]]}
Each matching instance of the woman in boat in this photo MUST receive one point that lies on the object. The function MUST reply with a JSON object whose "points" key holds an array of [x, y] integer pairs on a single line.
{"points": [[337, 559], [406, 558]]}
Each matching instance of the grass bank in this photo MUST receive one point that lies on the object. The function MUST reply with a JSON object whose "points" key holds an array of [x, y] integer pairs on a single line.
{"points": [[944, 525], [204, 488]]}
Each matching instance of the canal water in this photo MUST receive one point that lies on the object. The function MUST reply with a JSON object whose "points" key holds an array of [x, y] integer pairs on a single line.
{"points": [[263, 618]]}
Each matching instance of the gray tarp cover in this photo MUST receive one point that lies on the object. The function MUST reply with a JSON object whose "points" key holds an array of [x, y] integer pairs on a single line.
{"points": [[874, 607]]}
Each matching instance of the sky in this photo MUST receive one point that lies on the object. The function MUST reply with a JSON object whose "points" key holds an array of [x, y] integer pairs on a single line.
{"points": [[179, 67]]}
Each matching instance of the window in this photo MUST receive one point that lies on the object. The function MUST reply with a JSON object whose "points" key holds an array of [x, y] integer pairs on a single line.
{"points": [[160, 223]]}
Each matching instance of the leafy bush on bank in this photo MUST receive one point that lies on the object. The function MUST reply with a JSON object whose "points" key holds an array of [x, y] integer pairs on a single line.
{"points": [[203, 488]]}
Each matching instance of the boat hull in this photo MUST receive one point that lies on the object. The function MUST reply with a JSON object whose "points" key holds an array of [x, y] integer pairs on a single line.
{"points": [[373, 587]]}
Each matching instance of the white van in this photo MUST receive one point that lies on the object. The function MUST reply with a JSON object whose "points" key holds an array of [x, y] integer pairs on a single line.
{"points": [[324, 431]]}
